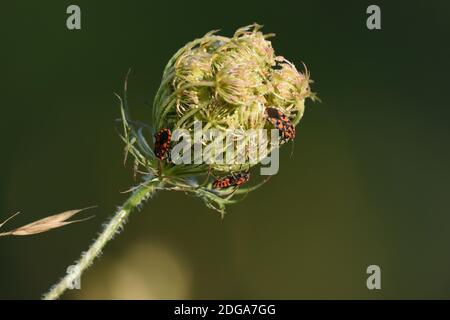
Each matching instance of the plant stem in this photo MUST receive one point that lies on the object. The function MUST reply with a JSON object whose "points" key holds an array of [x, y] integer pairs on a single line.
{"points": [[114, 225]]}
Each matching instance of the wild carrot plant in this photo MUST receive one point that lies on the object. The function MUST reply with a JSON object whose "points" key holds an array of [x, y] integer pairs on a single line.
{"points": [[225, 83]]}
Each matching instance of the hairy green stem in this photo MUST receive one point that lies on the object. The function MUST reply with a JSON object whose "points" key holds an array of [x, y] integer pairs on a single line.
{"points": [[141, 193]]}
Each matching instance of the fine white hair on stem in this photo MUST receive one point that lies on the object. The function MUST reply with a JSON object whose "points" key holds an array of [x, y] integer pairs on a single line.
{"points": [[111, 228]]}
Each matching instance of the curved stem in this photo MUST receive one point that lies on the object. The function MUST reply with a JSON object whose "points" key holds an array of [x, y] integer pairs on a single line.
{"points": [[116, 223]]}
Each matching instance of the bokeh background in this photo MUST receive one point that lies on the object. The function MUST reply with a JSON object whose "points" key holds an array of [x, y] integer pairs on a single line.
{"points": [[368, 182]]}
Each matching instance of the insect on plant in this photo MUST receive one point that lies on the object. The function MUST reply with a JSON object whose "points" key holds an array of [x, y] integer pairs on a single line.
{"points": [[162, 143], [282, 123], [233, 180]]}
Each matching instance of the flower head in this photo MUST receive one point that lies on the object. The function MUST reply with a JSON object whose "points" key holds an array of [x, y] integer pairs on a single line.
{"points": [[226, 83]]}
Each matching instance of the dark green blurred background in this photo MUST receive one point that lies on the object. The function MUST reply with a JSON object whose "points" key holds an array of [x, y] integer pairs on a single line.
{"points": [[368, 182]]}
